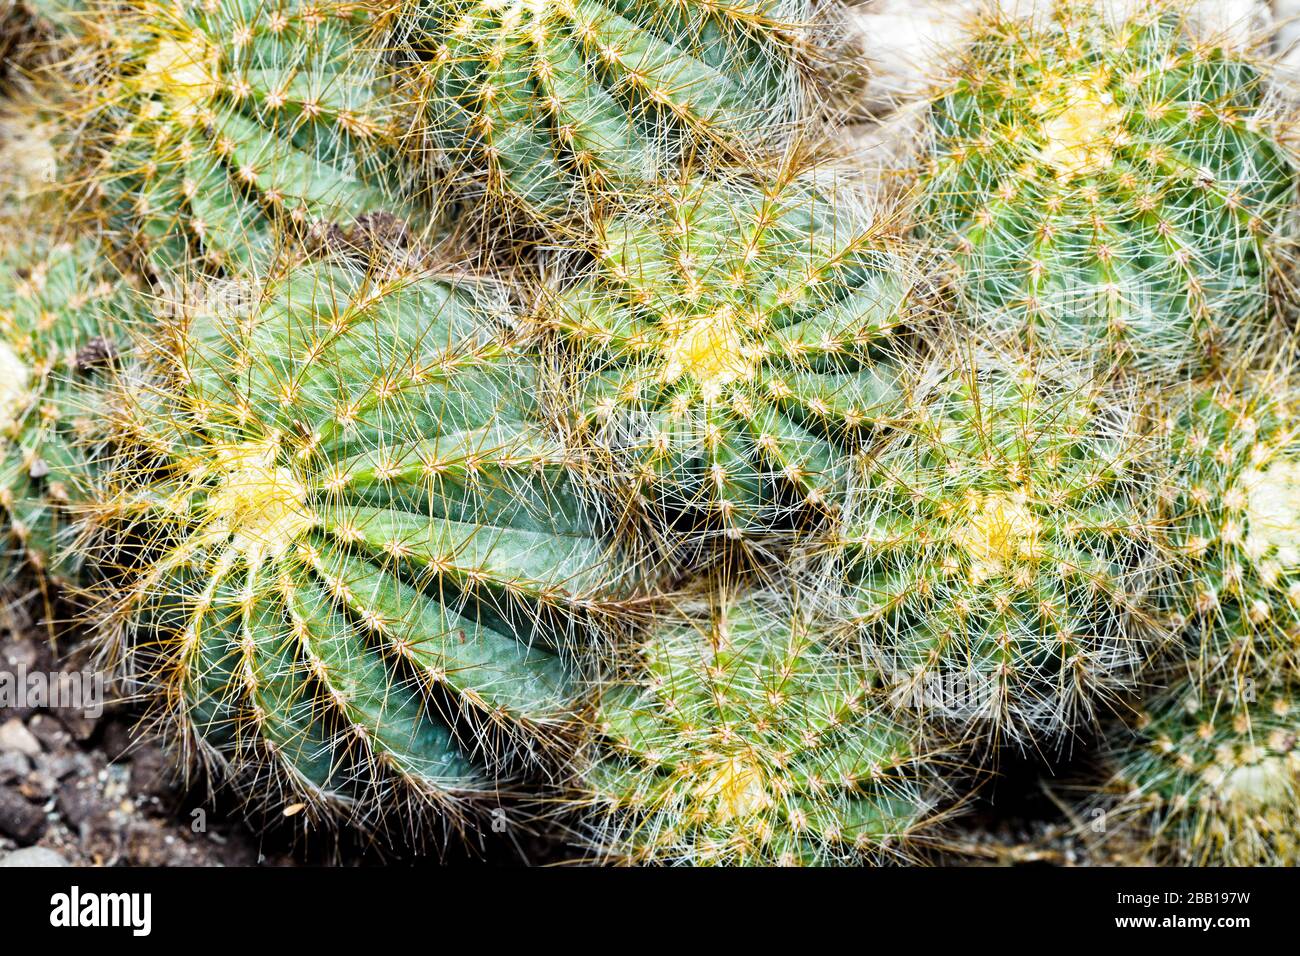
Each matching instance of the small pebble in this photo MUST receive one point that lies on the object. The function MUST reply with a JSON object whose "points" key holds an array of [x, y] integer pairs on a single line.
{"points": [[13, 766], [14, 736], [32, 856], [19, 819]]}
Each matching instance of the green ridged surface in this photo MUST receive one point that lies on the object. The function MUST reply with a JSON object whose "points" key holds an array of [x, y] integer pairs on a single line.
{"points": [[64, 316], [729, 346], [1233, 502], [361, 545], [1213, 781], [740, 740], [224, 119], [1108, 188], [554, 104], [998, 555]]}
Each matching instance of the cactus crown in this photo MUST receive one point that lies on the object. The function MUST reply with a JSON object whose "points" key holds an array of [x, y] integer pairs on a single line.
{"points": [[553, 104], [62, 316], [1216, 782], [1107, 187], [225, 116], [360, 543], [727, 340], [741, 741], [1234, 499], [996, 553]]}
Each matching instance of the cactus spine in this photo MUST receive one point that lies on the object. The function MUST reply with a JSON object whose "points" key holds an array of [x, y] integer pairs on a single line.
{"points": [[740, 740], [1108, 188]]}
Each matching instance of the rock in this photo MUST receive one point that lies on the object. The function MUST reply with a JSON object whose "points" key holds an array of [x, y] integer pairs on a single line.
{"points": [[118, 741], [15, 737], [1286, 42], [38, 786], [20, 820], [21, 653], [62, 765], [49, 731], [151, 772], [14, 765], [906, 42], [33, 856], [81, 726], [78, 801]]}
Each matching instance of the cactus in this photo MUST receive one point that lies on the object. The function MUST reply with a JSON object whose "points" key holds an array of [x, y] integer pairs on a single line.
{"points": [[63, 317], [728, 345], [364, 572], [1233, 500], [552, 106], [1108, 188], [998, 555], [226, 118], [742, 740], [1213, 781]]}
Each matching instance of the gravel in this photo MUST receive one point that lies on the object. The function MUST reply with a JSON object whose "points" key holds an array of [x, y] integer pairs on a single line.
{"points": [[79, 790]]}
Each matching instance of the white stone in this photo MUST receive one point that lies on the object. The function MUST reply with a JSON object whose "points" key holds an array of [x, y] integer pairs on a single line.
{"points": [[1286, 34], [33, 856], [15, 736]]}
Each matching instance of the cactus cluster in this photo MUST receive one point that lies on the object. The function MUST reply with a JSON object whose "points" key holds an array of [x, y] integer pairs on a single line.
{"points": [[1108, 187], [473, 340]]}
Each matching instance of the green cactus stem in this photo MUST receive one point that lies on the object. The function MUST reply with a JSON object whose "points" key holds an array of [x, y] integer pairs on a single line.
{"points": [[366, 574], [739, 739], [227, 118], [730, 343], [1209, 781], [999, 554], [64, 317], [1108, 188], [553, 105], [1233, 499]]}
